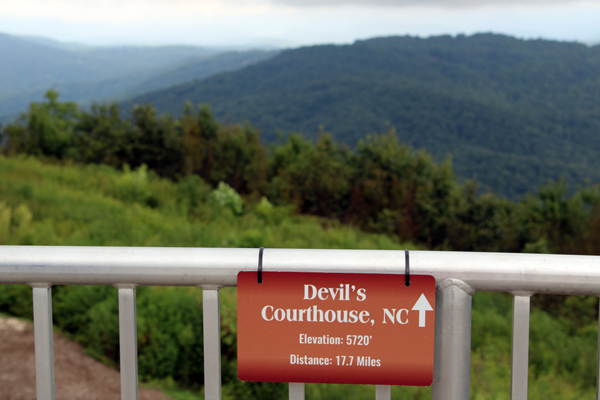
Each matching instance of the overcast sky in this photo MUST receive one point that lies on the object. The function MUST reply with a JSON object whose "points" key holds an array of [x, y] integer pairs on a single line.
{"points": [[293, 22]]}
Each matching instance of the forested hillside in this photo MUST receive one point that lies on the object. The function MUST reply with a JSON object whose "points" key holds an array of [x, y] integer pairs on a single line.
{"points": [[197, 68], [193, 181], [381, 186], [512, 113]]}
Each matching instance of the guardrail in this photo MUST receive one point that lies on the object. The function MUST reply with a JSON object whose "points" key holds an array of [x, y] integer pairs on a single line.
{"points": [[458, 276]]}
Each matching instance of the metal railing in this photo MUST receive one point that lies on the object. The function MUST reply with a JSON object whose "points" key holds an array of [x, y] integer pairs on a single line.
{"points": [[458, 276]]}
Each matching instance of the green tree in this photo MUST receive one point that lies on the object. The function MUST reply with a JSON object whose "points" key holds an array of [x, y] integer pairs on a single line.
{"points": [[551, 221], [104, 137], [315, 178], [46, 129], [239, 159], [398, 191], [479, 222], [199, 131], [156, 142]]}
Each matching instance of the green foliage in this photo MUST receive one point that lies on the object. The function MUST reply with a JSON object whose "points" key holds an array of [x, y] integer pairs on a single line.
{"points": [[231, 154], [513, 113], [396, 191], [314, 178], [5, 219], [155, 142], [103, 136], [15, 223], [225, 196], [170, 336], [557, 351], [47, 129], [239, 159], [97, 205], [16, 300], [297, 194], [382, 187], [480, 222], [132, 186], [192, 193], [94, 205], [169, 326]]}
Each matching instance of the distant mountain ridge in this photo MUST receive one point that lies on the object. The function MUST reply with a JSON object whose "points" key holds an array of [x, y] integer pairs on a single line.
{"points": [[31, 65], [28, 64], [72, 46], [512, 113]]}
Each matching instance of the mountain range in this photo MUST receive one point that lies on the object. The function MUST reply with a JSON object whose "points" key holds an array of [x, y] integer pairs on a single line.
{"points": [[512, 113], [32, 65]]}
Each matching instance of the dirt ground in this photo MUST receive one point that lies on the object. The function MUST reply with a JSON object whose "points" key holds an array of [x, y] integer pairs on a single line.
{"points": [[77, 376]]}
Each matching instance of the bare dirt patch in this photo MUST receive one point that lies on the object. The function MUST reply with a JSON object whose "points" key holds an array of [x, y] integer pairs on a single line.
{"points": [[77, 376]]}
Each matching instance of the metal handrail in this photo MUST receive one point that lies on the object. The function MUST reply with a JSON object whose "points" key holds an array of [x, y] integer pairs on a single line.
{"points": [[151, 266], [458, 276]]}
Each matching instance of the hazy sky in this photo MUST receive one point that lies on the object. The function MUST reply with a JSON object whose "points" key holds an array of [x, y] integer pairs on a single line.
{"points": [[293, 22]]}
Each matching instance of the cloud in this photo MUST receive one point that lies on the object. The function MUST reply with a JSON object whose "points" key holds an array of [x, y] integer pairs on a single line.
{"points": [[298, 22], [135, 10], [428, 3], [130, 10]]}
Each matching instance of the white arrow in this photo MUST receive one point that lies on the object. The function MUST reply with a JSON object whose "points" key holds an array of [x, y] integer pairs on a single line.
{"points": [[422, 305]]}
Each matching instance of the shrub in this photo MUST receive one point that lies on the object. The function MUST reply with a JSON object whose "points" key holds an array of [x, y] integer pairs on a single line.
{"points": [[225, 196]]}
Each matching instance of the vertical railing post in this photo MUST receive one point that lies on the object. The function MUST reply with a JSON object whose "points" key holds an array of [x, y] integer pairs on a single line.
{"points": [[520, 346], [211, 322], [383, 392], [598, 358], [452, 353], [44, 342], [296, 391], [128, 342]]}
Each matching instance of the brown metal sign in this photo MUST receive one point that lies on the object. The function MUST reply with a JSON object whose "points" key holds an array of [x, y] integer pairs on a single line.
{"points": [[336, 328]]}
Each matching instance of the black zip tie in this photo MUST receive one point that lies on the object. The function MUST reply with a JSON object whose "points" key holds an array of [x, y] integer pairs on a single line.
{"points": [[260, 256], [407, 268]]}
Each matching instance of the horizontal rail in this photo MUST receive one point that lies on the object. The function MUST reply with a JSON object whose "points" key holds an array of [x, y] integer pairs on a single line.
{"points": [[458, 276], [492, 272]]}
